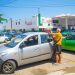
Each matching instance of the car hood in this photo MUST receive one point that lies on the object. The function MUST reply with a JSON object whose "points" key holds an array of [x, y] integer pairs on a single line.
{"points": [[3, 48]]}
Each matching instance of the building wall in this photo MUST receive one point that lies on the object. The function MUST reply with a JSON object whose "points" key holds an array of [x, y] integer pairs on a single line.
{"points": [[67, 22], [46, 23], [27, 24]]}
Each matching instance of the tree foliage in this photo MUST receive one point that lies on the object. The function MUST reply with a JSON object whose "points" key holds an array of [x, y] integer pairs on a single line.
{"points": [[2, 19]]}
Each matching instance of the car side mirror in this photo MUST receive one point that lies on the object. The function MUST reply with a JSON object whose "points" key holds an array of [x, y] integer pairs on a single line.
{"points": [[22, 45]]}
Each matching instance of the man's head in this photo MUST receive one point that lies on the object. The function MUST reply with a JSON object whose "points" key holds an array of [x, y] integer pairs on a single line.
{"points": [[58, 30]]}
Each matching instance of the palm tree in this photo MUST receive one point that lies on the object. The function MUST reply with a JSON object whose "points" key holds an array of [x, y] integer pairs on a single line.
{"points": [[2, 19]]}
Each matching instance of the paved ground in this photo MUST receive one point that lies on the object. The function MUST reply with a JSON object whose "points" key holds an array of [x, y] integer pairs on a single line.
{"points": [[48, 68]]}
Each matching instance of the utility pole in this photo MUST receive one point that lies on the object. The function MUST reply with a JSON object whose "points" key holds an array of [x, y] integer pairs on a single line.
{"points": [[11, 23]]}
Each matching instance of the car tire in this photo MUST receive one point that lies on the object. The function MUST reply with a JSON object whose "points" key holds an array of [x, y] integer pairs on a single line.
{"points": [[9, 67], [5, 40]]}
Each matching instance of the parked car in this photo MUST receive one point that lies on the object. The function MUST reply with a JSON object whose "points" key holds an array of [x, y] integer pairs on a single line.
{"points": [[13, 33], [10, 34], [68, 42], [65, 33], [27, 48], [3, 39]]}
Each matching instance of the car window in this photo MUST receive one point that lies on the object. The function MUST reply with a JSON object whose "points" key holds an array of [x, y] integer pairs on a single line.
{"points": [[15, 41], [44, 38], [70, 37], [31, 41]]}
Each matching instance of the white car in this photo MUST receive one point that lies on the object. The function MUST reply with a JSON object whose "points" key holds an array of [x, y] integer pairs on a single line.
{"points": [[3, 39], [27, 48]]}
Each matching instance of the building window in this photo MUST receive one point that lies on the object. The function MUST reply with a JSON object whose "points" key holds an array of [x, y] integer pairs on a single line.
{"points": [[33, 29], [48, 24], [55, 21], [54, 24], [16, 23], [19, 22]]}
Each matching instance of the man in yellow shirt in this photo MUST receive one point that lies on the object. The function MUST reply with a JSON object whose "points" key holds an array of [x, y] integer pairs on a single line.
{"points": [[58, 42]]}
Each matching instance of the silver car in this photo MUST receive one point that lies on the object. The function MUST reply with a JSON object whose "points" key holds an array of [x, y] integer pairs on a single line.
{"points": [[27, 48]]}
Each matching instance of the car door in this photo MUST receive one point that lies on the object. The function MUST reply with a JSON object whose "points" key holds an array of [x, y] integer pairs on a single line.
{"points": [[70, 42], [30, 51], [45, 46]]}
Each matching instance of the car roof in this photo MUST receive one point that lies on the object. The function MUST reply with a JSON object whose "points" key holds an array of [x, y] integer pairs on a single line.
{"points": [[34, 33]]}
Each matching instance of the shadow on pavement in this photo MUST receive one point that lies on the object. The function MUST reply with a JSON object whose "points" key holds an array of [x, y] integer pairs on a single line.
{"points": [[33, 64], [68, 51]]}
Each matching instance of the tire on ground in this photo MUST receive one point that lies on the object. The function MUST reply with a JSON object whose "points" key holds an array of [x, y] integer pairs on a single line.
{"points": [[8, 67]]}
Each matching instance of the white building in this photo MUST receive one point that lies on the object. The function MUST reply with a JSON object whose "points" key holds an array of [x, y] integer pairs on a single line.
{"points": [[46, 23], [28, 24], [64, 21]]}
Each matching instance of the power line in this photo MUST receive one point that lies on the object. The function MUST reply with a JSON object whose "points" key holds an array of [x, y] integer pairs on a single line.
{"points": [[8, 2], [19, 7], [39, 6]]}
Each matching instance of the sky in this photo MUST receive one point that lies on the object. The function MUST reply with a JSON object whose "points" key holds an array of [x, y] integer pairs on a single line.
{"points": [[19, 9]]}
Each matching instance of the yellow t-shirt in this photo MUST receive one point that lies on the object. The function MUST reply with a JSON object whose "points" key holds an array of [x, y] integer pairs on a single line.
{"points": [[58, 38]]}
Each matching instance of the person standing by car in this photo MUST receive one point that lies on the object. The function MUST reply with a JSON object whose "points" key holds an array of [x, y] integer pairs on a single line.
{"points": [[57, 42]]}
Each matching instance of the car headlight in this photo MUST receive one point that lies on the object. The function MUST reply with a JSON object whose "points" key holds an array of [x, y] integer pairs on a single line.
{"points": [[2, 54]]}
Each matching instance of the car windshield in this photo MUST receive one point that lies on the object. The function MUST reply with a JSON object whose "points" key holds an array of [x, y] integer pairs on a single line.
{"points": [[15, 41]]}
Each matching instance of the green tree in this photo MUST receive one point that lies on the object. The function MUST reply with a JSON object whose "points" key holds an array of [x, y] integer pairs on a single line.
{"points": [[2, 19]]}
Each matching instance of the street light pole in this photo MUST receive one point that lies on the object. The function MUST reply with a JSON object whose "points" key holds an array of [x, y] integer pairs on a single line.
{"points": [[66, 22], [11, 23]]}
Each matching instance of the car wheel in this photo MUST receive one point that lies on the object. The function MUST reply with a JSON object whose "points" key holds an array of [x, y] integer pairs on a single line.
{"points": [[9, 67], [5, 40]]}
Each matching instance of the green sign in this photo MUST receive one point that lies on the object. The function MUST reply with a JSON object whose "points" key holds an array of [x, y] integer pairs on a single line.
{"points": [[39, 20]]}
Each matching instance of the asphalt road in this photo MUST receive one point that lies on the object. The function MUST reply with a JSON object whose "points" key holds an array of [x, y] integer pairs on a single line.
{"points": [[46, 67]]}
